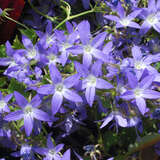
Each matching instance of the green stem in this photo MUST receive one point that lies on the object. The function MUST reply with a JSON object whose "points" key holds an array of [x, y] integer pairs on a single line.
{"points": [[16, 22], [74, 16], [44, 130], [18, 130]]}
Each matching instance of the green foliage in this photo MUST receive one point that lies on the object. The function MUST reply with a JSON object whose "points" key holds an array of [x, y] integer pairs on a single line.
{"points": [[17, 44], [16, 86], [30, 33], [2, 50]]}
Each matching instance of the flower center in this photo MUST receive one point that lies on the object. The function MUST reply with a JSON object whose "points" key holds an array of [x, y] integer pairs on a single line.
{"points": [[152, 19], [2, 103], [139, 65], [25, 150], [28, 110], [52, 58], [138, 92], [88, 49], [51, 152], [31, 53], [91, 80], [59, 87], [125, 21]]}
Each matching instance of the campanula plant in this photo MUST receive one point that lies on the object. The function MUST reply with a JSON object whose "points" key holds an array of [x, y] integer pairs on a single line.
{"points": [[73, 88]]}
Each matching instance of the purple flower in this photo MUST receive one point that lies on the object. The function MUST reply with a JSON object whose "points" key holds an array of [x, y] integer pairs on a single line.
{"points": [[26, 152], [140, 91], [48, 38], [92, 81], [151, 17], [64, 43], [31, 51], [141, 63], [90, 46], [50, 56], [52, 152], [117, 116], [123, 20], [60, 88], [3, 102], [66, 155], [28, 112]]}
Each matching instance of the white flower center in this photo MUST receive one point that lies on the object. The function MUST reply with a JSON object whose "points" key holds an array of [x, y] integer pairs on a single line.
{"points": [[25, 150], [91, 80], [152, 19], [28, 110], [51, 152], [2, 103], [59, 87], [139, 65], [138, 92], [125, 21], [88, 49], [52, 58], [122, 89], [32, 53]]}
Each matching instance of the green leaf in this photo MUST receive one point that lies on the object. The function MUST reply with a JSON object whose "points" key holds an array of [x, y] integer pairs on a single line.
{"points": [[30, 33], [16, 86], [2, 51], [17, 44], [3, 81], [145, 142]]}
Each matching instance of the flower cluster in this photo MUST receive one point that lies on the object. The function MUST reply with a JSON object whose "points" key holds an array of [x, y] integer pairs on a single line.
{"points": [[68, 73]]}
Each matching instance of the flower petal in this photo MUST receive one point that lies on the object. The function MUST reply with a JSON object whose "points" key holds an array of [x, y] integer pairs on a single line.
{"points": [[84, 32], [146, 82], [49, 142], [71, 80], [36, 101], [13, 116], [151, 94], [132, 80], [128, 95], [41, 115], [46, 89], [55, 74], [8, 97], [66, 155], [57, 100], [90, 94], [141, 105], [28, 124], [87, 59], [72, 96], [136, 53], [99, 39], [107, 120], [121, 121], [58, 147], [22, 102], [112, 18], [102, 84]]}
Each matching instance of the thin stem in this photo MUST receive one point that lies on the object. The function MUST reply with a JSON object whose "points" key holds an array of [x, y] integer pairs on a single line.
{"points": [[16, 22], [74, 16], [14, 124], [68, 10]]}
